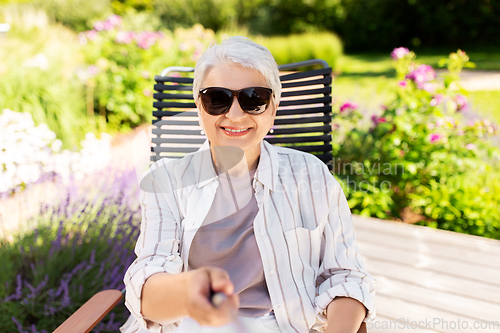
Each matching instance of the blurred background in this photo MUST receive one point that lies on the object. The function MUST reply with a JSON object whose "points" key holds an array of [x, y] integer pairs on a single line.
{"points": [[76, 84]]}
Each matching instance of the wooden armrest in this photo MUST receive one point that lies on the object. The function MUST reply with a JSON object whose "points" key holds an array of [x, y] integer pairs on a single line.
{"points": [[91, 313]]}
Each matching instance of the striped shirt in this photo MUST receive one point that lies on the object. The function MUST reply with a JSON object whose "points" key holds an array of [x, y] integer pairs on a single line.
{"points": [[303, 230]]}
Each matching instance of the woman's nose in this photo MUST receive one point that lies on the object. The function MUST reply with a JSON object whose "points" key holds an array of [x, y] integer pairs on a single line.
{"points": [[235, 112]]}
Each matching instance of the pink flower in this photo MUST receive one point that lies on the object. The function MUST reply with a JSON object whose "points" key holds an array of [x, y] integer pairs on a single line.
{"points": [[440, 122], [99, 26], [494, 128], [461, 101], [147, 93], [348, 106], [107, 26], [196, 55], [143, 44], [123, 37], [146, 39], [92, 70], [377, 120], [91, 35], [401, 152], [435, 137], [402, 84], [114, 20], [399, 53], [422, 75], [460, 132], [471, 146], [437, 99], [429, 87]]}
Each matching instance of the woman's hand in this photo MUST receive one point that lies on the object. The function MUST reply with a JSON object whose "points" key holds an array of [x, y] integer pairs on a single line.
{"points": [[167, 298], [199, 286]]}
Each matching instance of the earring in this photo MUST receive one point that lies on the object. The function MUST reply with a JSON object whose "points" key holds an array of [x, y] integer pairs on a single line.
{"points": [[202, 132], [271, 130]]}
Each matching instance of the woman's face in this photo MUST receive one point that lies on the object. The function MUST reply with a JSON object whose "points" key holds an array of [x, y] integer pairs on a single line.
{"points": [[236, 77]]}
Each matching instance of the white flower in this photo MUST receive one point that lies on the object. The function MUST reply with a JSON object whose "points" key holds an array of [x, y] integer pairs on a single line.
{"points": [[39, 61], [28, 151], [56, 145]]}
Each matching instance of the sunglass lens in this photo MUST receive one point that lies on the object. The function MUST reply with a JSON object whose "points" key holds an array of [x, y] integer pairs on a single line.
{"points": [[216, 101], [254, 100]]}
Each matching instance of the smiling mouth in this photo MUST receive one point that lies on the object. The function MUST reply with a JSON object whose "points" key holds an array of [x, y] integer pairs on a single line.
{"points": [[236, 130]]}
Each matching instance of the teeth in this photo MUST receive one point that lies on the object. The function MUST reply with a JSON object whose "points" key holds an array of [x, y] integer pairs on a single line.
{"points": [[235, 131]]}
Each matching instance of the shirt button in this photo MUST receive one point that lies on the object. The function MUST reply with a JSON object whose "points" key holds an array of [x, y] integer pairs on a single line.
{"points": [[272, 271]]}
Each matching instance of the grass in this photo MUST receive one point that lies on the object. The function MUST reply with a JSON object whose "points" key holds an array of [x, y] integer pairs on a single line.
{"points": [[366, 80], [486, 103]]}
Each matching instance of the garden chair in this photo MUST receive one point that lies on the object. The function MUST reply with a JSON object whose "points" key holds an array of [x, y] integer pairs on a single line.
{"points": [[303, 122]]}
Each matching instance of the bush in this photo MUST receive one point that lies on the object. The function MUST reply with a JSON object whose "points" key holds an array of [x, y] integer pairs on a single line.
{"points": [[37, 65], [419, 161], [306, 46], [79, 15], [79, 246], [381, 24], [122, 65]]}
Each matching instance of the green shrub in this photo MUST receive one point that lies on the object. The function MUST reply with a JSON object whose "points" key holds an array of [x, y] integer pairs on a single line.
{"points": [[122, 65], [420, 161], [79, 15], [37, 65], [306, 46]]}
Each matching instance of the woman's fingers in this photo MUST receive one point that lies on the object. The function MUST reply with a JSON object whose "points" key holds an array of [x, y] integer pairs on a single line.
{"points": [[220, 281], [202, 282]]}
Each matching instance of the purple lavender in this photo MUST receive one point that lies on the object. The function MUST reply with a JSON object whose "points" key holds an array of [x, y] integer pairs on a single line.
{"points": [[82, 244]]}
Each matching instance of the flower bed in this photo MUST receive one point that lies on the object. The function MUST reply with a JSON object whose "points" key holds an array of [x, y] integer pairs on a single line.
{"points": [[30, 154], [81, 245], [421, 160]]}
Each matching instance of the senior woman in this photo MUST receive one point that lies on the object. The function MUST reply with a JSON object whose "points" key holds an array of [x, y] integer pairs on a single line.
{"points": [[268, 227]]}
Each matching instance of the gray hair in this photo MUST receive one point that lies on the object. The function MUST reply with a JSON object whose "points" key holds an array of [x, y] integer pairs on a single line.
{"points": [[244, 52]]}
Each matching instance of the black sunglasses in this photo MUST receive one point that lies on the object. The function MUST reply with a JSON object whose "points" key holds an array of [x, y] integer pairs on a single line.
{"points": [[253, 100]]}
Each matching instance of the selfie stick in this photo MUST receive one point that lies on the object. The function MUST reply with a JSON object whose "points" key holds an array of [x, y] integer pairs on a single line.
{"points": [[217, 299]]}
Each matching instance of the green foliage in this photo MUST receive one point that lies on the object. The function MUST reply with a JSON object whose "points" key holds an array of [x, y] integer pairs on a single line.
{"points": [[363, 25], [36, 67], [383, 24], [122, 66], [121, 7], [428, 163], [306, 46], [212, 14], [79, 15]]}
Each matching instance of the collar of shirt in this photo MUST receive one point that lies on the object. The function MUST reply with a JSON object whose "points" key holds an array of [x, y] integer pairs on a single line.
{"points": [[266, 174]]}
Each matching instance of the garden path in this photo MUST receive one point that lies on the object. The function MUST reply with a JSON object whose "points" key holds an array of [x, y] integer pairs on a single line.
{"points": [[474, 80], [441, 280], [480, 80]]}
